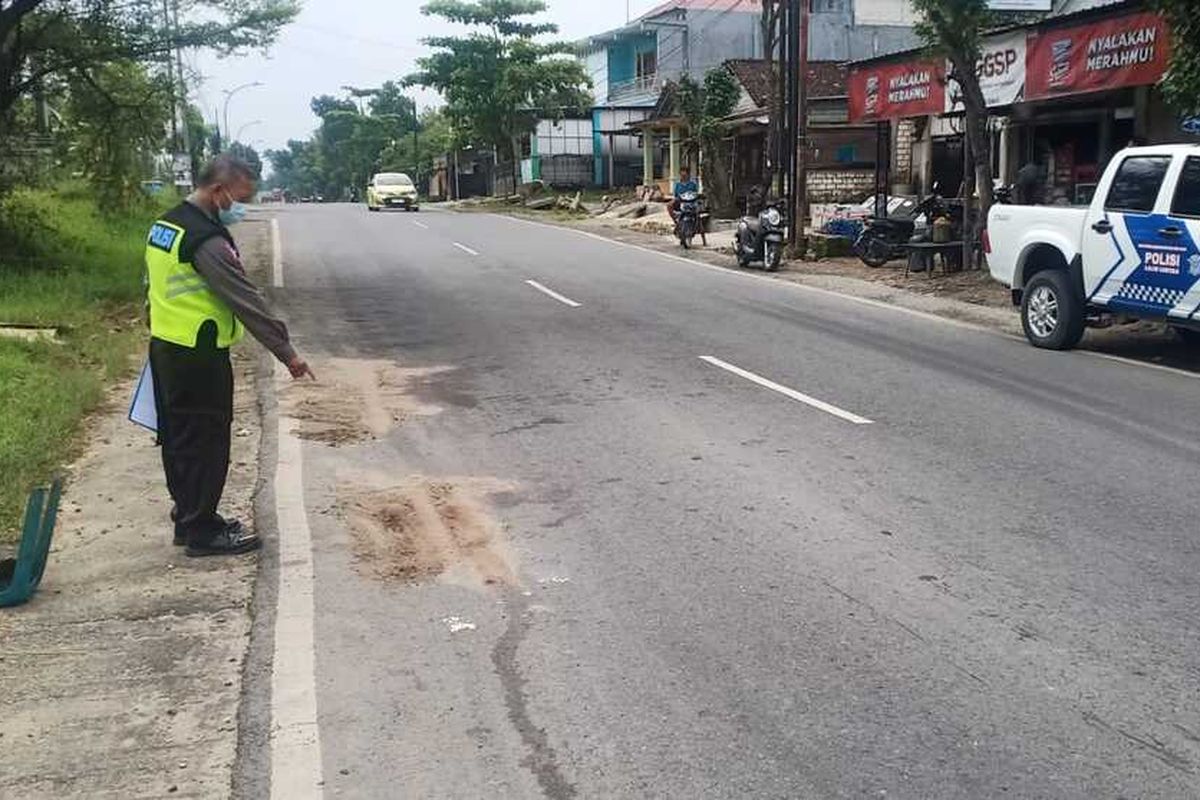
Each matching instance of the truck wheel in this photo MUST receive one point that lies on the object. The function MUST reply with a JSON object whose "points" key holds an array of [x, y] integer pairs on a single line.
{"points": [[1051, 313]]}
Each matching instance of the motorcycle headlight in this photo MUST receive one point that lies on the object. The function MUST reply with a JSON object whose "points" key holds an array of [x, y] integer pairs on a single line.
{"points": [[773, 216]]}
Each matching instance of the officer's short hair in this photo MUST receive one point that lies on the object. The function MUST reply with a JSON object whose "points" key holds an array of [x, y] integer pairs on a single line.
{"points": [[226, 167]]}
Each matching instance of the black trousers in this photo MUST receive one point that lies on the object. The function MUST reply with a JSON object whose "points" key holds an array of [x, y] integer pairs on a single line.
{"points": [[193, 393]]}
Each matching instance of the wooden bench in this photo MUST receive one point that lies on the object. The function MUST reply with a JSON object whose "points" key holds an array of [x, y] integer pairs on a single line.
{"points": [[19, 577], [926, 253]]}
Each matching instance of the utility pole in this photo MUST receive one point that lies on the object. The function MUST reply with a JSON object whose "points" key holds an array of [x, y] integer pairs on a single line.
{"points": [[416, 144], [183, 101], [174, 84], [800, 204], [783, 164], [794, 80]]}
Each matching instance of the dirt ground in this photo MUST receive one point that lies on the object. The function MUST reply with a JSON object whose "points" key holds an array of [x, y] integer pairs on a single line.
{"points": [[122, 677], [425, 529], [355, 401]]}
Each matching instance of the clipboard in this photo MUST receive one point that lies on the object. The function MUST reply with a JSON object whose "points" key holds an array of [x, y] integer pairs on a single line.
{"points": [[142, 410]]}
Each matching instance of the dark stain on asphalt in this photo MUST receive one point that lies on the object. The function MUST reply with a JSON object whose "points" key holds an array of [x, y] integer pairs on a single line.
{"points": [[1149, 744], [558, 523], [530, 426], [542, 761]]}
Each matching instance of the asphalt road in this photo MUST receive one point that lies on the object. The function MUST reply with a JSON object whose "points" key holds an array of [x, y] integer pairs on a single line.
{"points": [[854, 553]]}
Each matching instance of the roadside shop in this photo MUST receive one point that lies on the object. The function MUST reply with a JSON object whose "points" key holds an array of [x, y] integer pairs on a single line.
{"points": [[1065, 95]]}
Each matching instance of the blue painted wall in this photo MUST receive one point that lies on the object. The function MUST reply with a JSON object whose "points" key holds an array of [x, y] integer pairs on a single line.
{"points": [[622, 56]]}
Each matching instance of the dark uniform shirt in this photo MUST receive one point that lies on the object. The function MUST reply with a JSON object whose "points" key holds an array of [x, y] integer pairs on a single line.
{"points": [[222, 268]]}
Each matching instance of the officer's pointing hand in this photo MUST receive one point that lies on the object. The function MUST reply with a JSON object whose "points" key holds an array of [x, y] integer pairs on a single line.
{"points": [[299, 368]]}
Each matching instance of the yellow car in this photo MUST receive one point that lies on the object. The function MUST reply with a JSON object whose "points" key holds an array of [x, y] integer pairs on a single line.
{"points": [[392, 190]]}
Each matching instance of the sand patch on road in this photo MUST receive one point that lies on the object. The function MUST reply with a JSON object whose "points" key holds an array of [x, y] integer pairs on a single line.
{"points": [[356, 400], [429, 529]]}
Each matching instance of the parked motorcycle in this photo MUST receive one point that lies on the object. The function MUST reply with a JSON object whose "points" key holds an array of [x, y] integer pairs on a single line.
{"points": [[689, 219], [884, 238], [761, 238]]}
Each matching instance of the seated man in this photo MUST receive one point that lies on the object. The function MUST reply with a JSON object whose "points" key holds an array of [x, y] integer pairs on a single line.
{"points": [[684, 185]]}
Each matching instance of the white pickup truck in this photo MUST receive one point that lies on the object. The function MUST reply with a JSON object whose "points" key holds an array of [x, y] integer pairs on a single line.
{"points": [[1132, 253]]}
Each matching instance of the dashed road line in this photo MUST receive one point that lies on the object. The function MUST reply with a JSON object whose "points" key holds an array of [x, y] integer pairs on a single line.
{"points": [[566, 301], [421, 225], [465, 249], [808, 400]]}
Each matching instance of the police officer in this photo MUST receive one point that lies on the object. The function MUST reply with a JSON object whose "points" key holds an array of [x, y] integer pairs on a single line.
{"points": [[201, 303]]}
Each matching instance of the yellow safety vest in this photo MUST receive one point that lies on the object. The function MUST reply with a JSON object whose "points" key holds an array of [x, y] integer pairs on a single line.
{"points": [[180, 300]]}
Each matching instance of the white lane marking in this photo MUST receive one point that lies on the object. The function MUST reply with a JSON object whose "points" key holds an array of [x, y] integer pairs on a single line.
{"points": [[421, 225], [295, 737], [566, 301], [820, 405], [276, 253], [465, 249], [866, 301]]}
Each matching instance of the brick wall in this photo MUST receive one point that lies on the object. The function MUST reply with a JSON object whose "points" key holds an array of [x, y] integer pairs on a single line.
{"points": [[840, 185]]}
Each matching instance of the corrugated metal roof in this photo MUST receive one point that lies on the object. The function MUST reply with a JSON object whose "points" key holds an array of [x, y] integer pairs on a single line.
{"points": [[705, 5]]}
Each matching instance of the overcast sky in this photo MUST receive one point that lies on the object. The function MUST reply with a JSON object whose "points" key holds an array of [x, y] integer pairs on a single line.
{"points": [[336, 43]]}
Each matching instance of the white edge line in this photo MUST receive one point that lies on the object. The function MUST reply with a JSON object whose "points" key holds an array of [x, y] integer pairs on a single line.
{"points": [[276, 254], [296, 772], [566, 301], [465, 249], [866, 301], [820, 405], [1135, 363]]}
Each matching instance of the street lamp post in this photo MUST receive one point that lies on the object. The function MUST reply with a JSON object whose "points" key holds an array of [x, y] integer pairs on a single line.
{"points": [[229, 93], [242, 130]]}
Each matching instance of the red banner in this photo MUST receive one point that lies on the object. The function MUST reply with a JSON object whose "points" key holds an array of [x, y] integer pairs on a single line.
{"points": [[893, 91], [1126, 51]]}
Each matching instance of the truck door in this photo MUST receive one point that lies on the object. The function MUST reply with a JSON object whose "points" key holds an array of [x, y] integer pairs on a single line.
{"points": [[1136, 254], [1185, 217]]}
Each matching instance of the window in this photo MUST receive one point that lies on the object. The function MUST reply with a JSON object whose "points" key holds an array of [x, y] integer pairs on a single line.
{"points": [[1137, 183], [1187, 191], [647, 64]]}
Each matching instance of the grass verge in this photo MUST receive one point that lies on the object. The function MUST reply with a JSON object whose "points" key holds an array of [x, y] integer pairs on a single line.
{"points": [[63, 264]]}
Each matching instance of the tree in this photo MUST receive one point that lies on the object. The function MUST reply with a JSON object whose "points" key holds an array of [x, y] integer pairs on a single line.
{"points": [[704, 107], [1181, 85], [953, 29], [501, 78], [44, 39], [367, 132], [415, 155], [247, 154], [119, 114]]}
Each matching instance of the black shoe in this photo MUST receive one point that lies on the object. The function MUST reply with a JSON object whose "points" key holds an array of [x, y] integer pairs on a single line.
{"points": [[180, 539], [231, 540]]}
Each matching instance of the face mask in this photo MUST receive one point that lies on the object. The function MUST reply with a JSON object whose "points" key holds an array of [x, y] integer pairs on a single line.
{"points": [[234, 214]]}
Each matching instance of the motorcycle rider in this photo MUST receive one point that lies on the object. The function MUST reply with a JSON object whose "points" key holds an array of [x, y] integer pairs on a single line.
{"points": [[684, 185]]}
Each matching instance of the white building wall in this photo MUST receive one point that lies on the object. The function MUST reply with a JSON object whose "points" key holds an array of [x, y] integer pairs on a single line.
{"points": [[596, 64], [884, 12], [568, 137]]}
